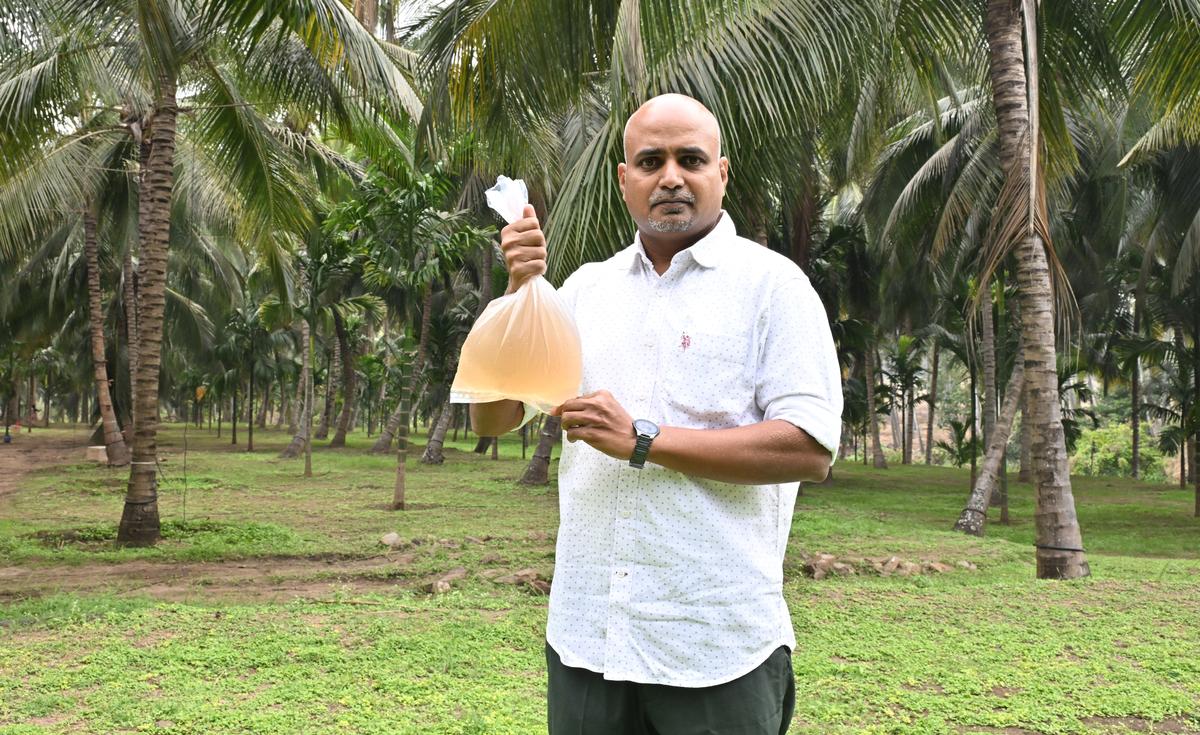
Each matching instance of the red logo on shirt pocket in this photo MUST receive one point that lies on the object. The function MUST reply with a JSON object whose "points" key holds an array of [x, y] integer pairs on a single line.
{"points": [[685, 341]]}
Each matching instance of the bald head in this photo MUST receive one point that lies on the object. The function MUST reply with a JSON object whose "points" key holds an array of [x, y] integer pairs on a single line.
{"points": [[673, 176], [672, 108]]}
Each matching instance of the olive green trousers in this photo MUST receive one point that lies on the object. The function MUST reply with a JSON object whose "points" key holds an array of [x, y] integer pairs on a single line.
{"points": [[582, 702]]}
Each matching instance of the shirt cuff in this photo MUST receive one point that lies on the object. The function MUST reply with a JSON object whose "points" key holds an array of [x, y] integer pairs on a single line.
{"points": [[813, 416]]}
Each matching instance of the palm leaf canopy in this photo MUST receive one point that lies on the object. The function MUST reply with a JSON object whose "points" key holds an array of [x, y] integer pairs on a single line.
{"points": [[558, 99]]}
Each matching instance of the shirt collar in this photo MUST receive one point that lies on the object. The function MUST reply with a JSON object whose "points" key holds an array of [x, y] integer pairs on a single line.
{"points": [[706, 251]]}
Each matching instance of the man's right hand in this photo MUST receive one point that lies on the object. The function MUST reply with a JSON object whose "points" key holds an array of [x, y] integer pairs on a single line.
{"points": [[524, 248]]}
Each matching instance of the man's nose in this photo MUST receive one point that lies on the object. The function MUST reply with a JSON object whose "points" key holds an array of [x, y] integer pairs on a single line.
{"points": [[672, 176]]}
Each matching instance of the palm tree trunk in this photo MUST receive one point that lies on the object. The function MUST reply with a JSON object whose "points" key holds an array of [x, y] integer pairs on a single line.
{"points": [[410, 388], [356, 409], [114, 442], [129, 300], [973, 516], [537, 472], [295, 404], [933, 384], [897, 434], [1026, 471], [437, 437], [1135, 423], [916, 430], [398, 493], [349, 380], [988, 348], [309, 398], [286, 415], [304, 425], [972, 369], [264, 406], [333, 371], [31, 404], [877, 457], [380, 399], [1195, 463], [384, 442], [139, 520], [910, 422], [1135, 407], [367, 12], [250, 411], [804, 213], [1059, 541]]}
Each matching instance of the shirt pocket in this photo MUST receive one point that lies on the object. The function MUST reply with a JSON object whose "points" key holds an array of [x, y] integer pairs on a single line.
{"points": [[708, 380]]}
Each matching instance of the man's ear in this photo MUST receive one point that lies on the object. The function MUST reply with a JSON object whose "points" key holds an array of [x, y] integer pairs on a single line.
{"points": [[723, 164], [621, 176]]}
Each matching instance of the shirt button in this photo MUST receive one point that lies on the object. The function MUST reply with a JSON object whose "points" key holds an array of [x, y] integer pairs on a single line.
{"points": [[626, 512], [621, 574]]}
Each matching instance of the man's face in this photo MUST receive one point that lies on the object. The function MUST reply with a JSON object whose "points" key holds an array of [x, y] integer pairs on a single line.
{"points": [[673, 179]]}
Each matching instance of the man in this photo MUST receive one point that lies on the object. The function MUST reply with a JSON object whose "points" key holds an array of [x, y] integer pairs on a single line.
{"points": [[710, 388]]}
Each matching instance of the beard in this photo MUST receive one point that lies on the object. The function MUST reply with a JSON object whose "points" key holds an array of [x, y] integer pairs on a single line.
{"points": [[673, 224]]}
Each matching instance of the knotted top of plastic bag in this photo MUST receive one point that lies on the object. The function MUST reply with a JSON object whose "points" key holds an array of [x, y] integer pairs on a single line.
{"points": [[508, 198]]}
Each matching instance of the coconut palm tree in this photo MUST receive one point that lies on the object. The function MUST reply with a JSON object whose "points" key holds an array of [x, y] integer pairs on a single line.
{"points": [[233, 58], [904, 372], [412, 245], [1019, 224]]}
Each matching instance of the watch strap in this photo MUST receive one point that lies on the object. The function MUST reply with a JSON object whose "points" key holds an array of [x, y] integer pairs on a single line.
{"points": [[640, 450]]}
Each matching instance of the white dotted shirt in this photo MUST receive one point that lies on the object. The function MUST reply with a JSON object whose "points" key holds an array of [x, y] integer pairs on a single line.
{"points": [[660, 577]]}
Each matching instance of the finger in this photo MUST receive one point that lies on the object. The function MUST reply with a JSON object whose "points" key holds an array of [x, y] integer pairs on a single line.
{"points": [[572, 418], [520, 240], [577, 406], [527, 254], [584, 434], [525, 224], [528, 270]]}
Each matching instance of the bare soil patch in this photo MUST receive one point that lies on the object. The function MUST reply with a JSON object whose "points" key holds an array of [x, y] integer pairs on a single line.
{"points": [[252, 580], [29, 452]]}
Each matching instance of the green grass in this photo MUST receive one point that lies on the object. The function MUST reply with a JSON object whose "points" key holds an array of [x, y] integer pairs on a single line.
{"points": [[265, 507], [989, 651]]}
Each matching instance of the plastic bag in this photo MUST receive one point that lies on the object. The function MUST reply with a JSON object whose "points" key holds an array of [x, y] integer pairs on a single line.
{"points": [[525, 346]]}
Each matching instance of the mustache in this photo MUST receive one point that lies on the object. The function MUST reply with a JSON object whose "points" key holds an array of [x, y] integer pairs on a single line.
{"points": [[677, 196]]}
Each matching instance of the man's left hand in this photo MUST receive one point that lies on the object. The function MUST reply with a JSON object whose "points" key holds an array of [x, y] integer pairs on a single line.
{"points": [[599, 420]]}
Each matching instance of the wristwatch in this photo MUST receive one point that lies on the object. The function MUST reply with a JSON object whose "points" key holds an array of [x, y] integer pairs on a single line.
{"points": [[645, 432]]}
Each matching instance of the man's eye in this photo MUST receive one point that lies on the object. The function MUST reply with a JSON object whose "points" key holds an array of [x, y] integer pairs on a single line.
{"points": [[649, 163], [692, 161]]}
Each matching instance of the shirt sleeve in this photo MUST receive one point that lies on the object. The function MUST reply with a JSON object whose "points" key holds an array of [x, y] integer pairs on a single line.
{"points": [[798, 378]]}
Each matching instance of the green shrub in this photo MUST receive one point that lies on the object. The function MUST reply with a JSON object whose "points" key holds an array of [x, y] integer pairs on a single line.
{"points": [[1108, 452]]}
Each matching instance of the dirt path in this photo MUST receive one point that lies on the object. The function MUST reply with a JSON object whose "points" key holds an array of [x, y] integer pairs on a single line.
{"points": [[251, 580], [29, 452], [261, 580], [256, 579]]}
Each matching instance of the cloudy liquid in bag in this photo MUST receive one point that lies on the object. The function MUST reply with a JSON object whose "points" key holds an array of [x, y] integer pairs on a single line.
{"points": [[524, 347]]}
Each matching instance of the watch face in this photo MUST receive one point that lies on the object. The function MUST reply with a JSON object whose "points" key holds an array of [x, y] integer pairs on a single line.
{"points": [[642, 426]]}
